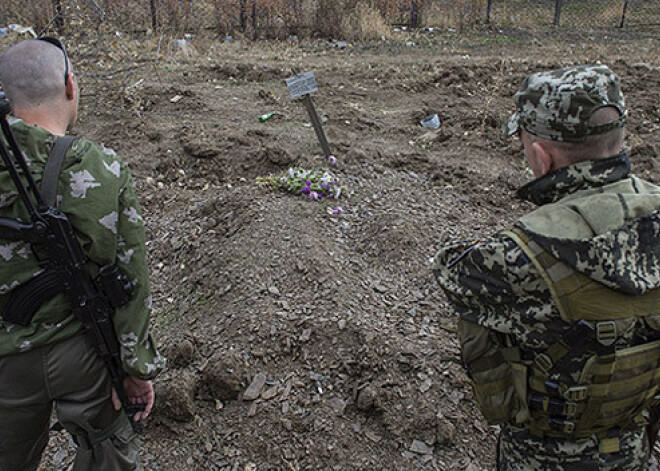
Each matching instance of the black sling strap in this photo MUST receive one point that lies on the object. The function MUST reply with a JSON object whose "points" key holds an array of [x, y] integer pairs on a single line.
{"points": [[53, 168], [24, 302]]}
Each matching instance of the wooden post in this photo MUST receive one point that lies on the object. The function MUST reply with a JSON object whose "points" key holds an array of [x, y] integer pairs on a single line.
{"points": [[623, 14], [242, 15], [558, 4], [254, 19], [314, 117], [154, 15], [316, 123], [489, 8], [414, 14]]}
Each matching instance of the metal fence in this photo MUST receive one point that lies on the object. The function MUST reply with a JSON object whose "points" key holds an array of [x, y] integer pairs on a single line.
{"points": [[280, 18], [573, 13]]}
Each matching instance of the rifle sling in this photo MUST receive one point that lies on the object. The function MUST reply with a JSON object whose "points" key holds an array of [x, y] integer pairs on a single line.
{"points": [[53, 168], [26, 300]]}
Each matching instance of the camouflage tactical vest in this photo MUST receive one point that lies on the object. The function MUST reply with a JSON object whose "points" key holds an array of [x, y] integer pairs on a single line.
{"points": [[616, 383]]}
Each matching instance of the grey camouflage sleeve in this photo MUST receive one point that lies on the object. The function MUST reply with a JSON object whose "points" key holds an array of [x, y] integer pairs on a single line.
{"points": [[494, 284]]}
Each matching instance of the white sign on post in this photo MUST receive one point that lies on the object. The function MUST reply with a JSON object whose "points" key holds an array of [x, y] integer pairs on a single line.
{"points": [[302, 84]]}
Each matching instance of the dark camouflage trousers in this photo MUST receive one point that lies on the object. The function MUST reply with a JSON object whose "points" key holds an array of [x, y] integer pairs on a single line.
{"points": [[519, 451], [70, 376]]}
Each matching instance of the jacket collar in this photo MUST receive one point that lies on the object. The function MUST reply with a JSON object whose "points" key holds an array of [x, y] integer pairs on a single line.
{"points": [[583, 175]]}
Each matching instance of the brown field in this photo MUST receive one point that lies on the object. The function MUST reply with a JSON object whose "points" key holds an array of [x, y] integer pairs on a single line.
{"points": [[339, 312]]}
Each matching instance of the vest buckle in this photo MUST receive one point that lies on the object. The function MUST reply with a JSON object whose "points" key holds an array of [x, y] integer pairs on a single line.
{"points": [[606, 332], [544, 362], [575, 393], [563, 426]]}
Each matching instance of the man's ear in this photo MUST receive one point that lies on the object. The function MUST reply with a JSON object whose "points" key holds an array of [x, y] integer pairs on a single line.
{"points": [[71, 89], [544, 157]]}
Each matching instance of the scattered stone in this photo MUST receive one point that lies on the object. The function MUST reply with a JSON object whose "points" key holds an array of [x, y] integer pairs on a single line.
{"points": [[380, 288], [273, 290], [456, 396], [254, 389], [374, 437], [305, 336], [60, 456], [269, 393], [338, 405], [420, 448]]}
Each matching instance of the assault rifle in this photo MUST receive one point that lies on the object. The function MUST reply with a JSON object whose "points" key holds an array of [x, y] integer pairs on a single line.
{"points": [[64, 267]]}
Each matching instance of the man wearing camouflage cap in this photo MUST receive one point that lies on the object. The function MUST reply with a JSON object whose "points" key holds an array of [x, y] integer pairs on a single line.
{"points": [[49, 361], [559, 315]]}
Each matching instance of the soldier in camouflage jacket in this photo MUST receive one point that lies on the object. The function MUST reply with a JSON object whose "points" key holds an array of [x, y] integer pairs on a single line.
{"points": [[559, 316], [49, 362]]}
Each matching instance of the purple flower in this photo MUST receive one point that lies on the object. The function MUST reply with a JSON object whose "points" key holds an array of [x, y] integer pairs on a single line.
{"points": [[306, 190], [332, 159], [338, 210], [308, 183], [313, 196]]}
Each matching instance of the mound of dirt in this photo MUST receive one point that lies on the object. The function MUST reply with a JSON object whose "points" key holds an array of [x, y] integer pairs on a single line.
{"points": [[300, 339]]}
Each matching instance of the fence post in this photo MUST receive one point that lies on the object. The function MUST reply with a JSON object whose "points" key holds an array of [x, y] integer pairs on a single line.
{"points": [[558, 4], [414, 14], [623, 14], [489, 7], [253, 14], [154, 15], [59, 20]]}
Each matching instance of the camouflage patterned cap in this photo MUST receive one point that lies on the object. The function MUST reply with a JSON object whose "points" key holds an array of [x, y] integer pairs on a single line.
{"points": [[557, 105]]}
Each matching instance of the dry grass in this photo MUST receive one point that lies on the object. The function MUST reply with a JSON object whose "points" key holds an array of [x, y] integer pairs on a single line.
{"points": [[364, 22], [458, 14]]}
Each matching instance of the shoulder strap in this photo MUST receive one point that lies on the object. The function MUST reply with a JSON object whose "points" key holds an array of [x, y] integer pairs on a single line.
{"points": [[53, 168]]}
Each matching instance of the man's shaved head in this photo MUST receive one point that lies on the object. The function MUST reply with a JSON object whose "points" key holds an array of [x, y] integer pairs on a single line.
{"points": [[32, 74]]}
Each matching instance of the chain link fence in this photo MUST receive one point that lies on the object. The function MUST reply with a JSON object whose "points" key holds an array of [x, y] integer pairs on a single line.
{"points": [[578, 14], [281, 18]]}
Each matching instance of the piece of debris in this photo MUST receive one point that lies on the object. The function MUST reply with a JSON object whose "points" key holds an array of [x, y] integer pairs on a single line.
{"points": [[421, 448], [254, 389], [431, 121]]}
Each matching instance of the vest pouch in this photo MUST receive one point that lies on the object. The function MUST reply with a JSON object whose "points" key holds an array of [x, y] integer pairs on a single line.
{"points": [[499, 381], [620, 386], [495, 393]]}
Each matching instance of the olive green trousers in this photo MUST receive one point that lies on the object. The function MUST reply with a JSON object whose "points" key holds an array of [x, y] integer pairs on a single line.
{"points": [[70, 376]]}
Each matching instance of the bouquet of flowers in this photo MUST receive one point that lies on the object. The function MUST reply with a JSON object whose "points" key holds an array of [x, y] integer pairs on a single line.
{"points": [[315, 185]]}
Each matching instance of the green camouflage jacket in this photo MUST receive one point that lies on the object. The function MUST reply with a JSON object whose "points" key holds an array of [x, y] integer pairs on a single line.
{"points": [[599, 220], [95, 190]]}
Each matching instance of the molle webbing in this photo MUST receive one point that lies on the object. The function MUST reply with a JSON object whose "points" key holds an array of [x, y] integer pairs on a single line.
{"points": [[614, 386]]}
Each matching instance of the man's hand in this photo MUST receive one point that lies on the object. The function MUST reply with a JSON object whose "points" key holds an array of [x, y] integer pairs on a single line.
{"points": [[137, 391]]}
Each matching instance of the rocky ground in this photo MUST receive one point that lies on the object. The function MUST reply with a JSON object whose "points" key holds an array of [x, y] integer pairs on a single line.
{"points": [[299, 339]]}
